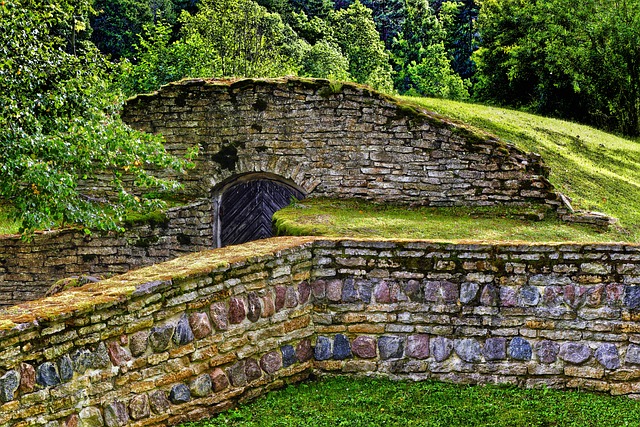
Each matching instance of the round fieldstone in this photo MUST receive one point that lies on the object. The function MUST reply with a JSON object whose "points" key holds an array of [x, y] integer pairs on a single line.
{"points": [[252, 370], [442, 292], [529, 296], [100, 357], [138, 343], [322, 350], [349, 292], [90, 417], [219, 380], [318, 288], [280, 295], [27, 378], [607, 355], [115, 414], [390, 347], [117, 354], [574, 352], [183, 334], [139, 407], [179, 394], [65, 368], [508, 297], [220, 315], [237, 312], [489, 295], [200, 325], [364, 347], [160, 337], [413, 290], [547, 351], [9, 384], [82, 360], [382, 293], [520, 349], [632, 297], [304, 350], [468, 292], [633, 354], [304, 290], [290, 297], [365, 290], [441, 348], [341, 347], [495, 349], [158, 402], [334, 290], [417, 346], [47, 375], [468, 350], [201, 386], [271, 362], [237, 375], [254, 308], [288, 355], [268, 306]]}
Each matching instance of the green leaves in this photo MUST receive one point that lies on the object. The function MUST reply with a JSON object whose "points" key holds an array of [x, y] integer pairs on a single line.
{"points": [[59, 123]]}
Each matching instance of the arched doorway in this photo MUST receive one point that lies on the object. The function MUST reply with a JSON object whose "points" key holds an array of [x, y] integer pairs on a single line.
{"points": [[245, 206]]}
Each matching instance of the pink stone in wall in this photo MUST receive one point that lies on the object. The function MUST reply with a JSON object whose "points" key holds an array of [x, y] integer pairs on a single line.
{"points": [[220, 315], [72, 421], [382, 293], [268, 307], [280, 297], [200, 325], [219, 380], [334, 290], [304, 290], [236, 310], [117, 354], [318, 289], [418, 346], [271, 362], [27, 378], [304, 350], [364, 347], [290, 297], [613, 293]]}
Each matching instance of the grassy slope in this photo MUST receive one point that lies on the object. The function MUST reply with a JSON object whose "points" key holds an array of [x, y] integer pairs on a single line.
{"points": [[373, 402], [599, 171]]}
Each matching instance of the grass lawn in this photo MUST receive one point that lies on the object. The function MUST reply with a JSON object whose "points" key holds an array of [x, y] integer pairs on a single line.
{"points": [[342, 401]]}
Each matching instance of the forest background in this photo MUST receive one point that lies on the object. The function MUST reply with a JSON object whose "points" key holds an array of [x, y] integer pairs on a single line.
{"points": [[67, 65]]}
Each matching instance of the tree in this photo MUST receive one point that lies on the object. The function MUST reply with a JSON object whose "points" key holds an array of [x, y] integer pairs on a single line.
{"points": [[356, 34], [59, 122], [325, 60], [422, 64]]}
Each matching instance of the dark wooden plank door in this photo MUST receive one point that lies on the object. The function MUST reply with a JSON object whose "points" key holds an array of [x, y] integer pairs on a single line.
{"points": [[247, 208]]}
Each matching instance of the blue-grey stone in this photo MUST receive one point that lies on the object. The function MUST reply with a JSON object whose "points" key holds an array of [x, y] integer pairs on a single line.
{"points": [[82, 360], [520, 349], [341, 347], [441, 348], [115, 414], [322, 350], [529, 295], [633, 354], [100, 357], [365, 289], [47, 375], [632, 296], [390, 347], [495, 348], [201, 386], [160, 337], [607, 355], [288, 355], [9, 384], [349, 292], [468, 292], [574, 352], [467, 349], [413, 290], [65, 368], [237, 374], [183, 334], [547, 351], [179, 394]]}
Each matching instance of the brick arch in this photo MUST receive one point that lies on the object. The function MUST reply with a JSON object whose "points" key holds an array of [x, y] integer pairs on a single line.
{"points": [[244, 204]]}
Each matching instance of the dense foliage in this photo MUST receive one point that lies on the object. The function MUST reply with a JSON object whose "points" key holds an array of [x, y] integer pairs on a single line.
{"points": [[59, 121]]}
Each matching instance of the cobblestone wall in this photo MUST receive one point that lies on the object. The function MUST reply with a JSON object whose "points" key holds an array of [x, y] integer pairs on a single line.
{"points": [[28, 269], [336, 140], [191, 337]]}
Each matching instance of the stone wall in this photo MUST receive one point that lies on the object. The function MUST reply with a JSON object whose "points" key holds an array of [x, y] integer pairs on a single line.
{"points": [[336, 140], [191, 337], [29, 268]]}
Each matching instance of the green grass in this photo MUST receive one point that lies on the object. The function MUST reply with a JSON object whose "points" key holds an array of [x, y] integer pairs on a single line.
{"points": [[349, 402], [599, 171], [350, 218]]}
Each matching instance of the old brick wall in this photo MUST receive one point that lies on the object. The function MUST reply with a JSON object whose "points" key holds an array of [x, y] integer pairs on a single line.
{"points": [[335, 140], [29, 268], [185, 339]]}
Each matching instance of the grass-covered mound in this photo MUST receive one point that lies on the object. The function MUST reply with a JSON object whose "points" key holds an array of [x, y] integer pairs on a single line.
{"points": [[351, 402]]}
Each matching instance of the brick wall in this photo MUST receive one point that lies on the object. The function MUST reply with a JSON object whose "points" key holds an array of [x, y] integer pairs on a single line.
{"points": [[185, 339]]}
